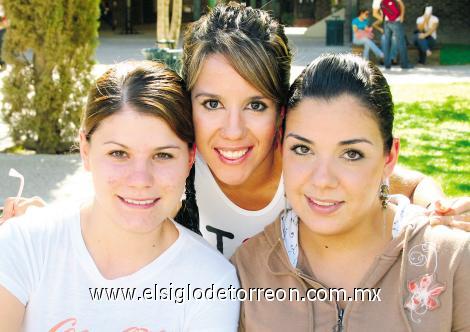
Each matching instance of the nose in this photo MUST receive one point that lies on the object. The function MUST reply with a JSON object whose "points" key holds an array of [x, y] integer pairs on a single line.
{"points": [[140, 174], [323, 174], [234, 125]]}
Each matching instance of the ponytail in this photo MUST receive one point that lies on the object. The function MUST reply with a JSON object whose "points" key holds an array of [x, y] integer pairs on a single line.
{"points": [[188, 215]]}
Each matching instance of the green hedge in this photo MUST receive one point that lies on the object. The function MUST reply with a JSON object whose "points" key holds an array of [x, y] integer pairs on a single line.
{"points": [[50, 47]]}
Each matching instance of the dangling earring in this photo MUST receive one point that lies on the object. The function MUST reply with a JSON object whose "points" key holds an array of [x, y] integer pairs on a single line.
{"points": [[384, 194], [284, 214]]}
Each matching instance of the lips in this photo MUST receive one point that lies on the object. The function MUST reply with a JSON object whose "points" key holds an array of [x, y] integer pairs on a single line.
{"points": [[233, 155], [324, 206], [139, 203]]}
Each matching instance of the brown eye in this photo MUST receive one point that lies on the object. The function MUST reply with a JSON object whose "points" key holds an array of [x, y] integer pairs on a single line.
{"points": [[352, 155], [163, 156], [257, 106], [118, 154], [301, 149]]}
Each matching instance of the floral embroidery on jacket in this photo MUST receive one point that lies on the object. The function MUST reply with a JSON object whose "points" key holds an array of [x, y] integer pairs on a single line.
{"points": [[424, 291], [423, 296]]}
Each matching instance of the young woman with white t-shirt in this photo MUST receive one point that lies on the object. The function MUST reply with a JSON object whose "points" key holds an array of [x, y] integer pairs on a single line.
{"points": [[119, 262], [236, 63]]}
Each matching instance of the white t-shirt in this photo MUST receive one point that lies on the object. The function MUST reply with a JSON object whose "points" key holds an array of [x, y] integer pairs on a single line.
{"points": [[224, 224], [44, 263], [432, 20]]}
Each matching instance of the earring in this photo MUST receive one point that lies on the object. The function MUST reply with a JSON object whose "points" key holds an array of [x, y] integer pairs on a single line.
{"points": [[384, 194]]}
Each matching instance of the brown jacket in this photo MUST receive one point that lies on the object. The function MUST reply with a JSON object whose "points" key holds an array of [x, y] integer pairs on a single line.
{"points": [[436, 265]]}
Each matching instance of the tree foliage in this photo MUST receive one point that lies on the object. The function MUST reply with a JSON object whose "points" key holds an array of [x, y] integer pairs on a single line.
{"points": [[50, 47]]}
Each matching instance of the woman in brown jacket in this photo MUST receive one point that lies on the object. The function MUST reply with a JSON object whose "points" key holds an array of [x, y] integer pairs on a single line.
{"points": [[347, 256]]}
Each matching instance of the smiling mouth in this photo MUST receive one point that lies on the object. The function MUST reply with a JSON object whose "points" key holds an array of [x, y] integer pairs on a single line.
{"points": [[324, 206], [139, 203], [233, 155]]}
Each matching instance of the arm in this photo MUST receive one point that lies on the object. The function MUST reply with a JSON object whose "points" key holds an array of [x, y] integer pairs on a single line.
{"points": [[461, 293], [430, 31], [421, 190], [15, 208], [11, 313], [377, 14], [402, 10]]}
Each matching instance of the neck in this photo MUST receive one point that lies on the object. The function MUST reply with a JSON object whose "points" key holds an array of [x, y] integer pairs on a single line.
{"points": [[118, 252]]}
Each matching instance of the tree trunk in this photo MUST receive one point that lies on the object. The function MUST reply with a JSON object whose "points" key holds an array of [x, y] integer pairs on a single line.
{"points": [[163, 7], [175, 26]]}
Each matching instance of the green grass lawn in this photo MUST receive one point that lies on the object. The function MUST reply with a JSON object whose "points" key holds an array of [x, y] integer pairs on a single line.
{"points": [[435, 134]]}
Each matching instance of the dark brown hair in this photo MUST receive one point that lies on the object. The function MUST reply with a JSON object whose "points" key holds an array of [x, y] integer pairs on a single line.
{"points": [[333, 75]]}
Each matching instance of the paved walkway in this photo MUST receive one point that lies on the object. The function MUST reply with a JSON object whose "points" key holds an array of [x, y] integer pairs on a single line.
{"points": [[61, 177]]}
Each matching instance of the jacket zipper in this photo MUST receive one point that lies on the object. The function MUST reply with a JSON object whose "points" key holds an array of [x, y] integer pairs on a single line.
{"points": [[339, 325]]}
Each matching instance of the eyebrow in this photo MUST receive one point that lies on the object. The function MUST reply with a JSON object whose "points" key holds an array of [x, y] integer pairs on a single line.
{"points": [[211, 95], [346, 142], [156, 149]]}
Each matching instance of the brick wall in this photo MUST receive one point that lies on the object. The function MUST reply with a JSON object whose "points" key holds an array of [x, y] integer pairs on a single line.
{"points": [[454, 18]]}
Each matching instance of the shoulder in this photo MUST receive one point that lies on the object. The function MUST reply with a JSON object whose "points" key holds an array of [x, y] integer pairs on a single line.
{"points": [[434, 19], [419, 19], [39, 223], [451, 245], [253, 254], [199, 253]]}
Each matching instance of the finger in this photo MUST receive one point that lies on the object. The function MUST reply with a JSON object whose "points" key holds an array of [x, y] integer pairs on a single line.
{"points": [[442, 207], [8, 209], [461, 218], [449, 220], [440, 220], [463, 225]]}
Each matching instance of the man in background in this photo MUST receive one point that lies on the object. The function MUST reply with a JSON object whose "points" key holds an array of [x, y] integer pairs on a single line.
{"points": [[394, 15]]}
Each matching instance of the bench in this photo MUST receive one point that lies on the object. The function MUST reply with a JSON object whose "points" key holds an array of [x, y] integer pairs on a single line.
{"points": [[413, 54]]}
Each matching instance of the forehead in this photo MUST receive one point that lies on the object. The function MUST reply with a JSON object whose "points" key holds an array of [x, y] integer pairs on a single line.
{"points": [[133, 127], [218, 73], [339, 117]]}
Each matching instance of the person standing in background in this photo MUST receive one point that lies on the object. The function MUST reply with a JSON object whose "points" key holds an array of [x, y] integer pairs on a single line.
{"points": [[378, 25], [425, 35], [3, 29], [394, 16]]}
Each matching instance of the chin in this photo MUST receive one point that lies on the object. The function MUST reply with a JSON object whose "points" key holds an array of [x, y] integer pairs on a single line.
{"points": [[231, 177], [141, 225]]}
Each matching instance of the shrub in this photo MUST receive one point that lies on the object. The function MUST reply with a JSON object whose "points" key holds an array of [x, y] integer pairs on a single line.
{"points": [[50, 46]]}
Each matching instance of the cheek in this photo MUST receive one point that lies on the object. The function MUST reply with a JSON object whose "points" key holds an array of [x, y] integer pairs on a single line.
{"points": [[296, 174], [171, 178], [206, 122], [262, 127], [106, 172]]}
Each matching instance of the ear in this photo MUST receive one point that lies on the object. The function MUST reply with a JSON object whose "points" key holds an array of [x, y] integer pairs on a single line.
{"points": [[192, 155], [84, 150], [392, 158]]}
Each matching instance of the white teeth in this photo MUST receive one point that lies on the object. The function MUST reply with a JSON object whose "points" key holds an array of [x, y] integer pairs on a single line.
{"points": [[233, 154], [323, 203], [131, 201]]}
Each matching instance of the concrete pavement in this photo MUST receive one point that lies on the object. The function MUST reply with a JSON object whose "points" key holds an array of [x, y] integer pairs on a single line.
{"points": [[57, 178]]}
